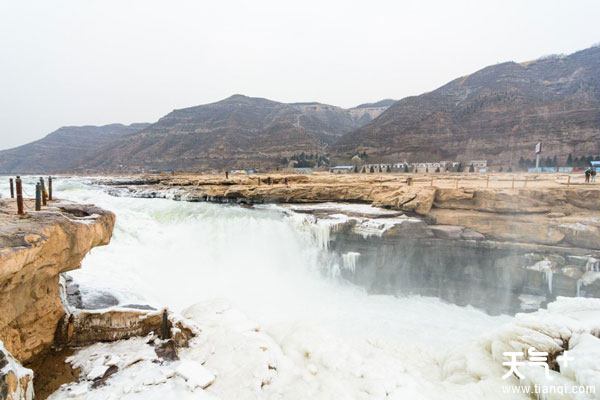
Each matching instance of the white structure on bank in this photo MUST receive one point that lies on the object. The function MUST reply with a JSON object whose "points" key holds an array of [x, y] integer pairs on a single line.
{"points": [[478, 165]]}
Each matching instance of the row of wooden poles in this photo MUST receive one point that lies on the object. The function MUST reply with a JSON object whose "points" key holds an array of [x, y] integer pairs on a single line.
{"points": [[409, 181], [41, 195]]}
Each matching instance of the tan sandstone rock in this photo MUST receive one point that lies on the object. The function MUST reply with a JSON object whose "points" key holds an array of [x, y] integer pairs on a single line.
{"points": [[33, 251]]}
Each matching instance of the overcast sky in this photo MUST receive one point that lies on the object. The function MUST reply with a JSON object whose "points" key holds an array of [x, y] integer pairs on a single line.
{"points": [[97, 62]]}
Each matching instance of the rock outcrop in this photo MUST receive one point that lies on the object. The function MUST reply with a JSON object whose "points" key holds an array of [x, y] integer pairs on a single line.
{"points": [[85, 327], [34, 250]]}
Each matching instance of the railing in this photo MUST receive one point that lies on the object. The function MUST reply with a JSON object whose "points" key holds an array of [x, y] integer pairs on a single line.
{"points": [[497, 181], [42, 196]]}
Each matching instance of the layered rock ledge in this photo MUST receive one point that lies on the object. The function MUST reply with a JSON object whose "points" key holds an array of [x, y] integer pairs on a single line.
{"points": [[539, 209], [34, 250]]}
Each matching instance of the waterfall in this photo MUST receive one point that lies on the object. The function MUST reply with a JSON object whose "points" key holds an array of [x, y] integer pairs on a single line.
{"points": [[320, 229], [544, 266], [549, 279], [349, 260], [592, 265]]}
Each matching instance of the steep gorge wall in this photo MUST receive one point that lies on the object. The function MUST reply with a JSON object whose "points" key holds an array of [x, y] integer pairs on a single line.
{"points": [[458, 264]]}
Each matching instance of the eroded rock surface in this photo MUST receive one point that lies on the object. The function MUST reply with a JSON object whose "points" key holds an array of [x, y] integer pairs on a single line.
{"points": [[34, 250]]}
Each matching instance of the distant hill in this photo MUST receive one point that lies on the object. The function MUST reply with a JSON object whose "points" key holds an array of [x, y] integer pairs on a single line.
{"points": [[237, 132], [497, 113], [63, 149]]}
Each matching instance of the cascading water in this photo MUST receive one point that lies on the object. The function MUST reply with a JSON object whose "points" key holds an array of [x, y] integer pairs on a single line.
{"points": [[349, 260], [549, 279]]}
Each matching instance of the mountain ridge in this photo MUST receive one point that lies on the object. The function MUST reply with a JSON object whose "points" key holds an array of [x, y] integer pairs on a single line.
{"points": [[62, 149], [497, 113], [236, 132]]}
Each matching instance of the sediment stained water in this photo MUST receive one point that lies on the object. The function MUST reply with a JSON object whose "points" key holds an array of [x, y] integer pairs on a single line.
{"points": [[174, 254]]}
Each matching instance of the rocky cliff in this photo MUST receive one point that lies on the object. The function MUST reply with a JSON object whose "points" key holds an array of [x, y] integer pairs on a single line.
{"points": [[498, 113], [403, 255], [61, 150], [34, 250]]}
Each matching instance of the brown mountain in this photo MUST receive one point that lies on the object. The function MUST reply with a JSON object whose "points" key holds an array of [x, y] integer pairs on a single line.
{"points": [[498, 113], [238, 132], [63, 149]]}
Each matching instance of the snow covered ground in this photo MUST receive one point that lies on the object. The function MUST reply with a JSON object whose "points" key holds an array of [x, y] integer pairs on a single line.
{"points": [[234, 357]]}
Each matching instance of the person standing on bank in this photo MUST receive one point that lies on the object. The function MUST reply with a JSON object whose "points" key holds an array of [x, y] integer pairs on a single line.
{"points": [[588, 173]]}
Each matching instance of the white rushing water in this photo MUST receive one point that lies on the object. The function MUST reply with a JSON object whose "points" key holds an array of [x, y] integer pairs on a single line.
{"points": [[259, 269], [175, 254]]}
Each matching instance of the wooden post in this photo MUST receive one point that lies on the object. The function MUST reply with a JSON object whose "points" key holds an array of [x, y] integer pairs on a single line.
{"points": [[456, 183], [43, 185], [569, 181], [513, 182], [12, 189], [38, 196], [431, 184], [487, 184], [49, 188], [164, 334], [19, 196]]}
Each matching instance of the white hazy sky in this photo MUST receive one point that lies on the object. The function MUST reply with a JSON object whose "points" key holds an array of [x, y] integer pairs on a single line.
{"points": [[76, 62]]}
